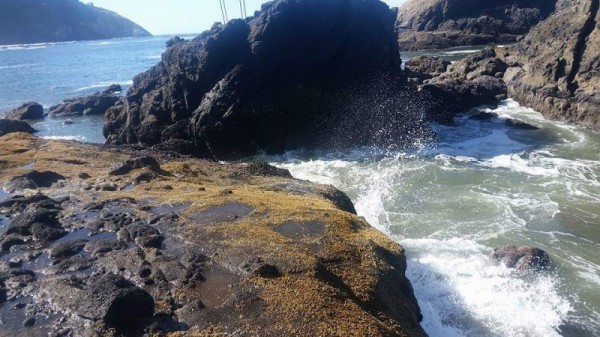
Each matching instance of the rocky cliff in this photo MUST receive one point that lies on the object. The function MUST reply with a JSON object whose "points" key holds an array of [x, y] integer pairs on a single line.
{"points": [[110, 241], [36, 21], [434, 24], [555, 69], [300, 73]]}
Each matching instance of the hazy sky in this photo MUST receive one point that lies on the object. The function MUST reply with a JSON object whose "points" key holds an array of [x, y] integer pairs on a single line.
{"points": [[181, 16]]}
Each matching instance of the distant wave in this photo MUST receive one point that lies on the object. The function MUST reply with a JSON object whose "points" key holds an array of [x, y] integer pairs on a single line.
{"points": [[78, 138], [16, 66], [104, 85], [153, 57]]}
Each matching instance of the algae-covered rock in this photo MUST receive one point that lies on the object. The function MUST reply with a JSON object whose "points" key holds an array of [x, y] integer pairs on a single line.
{"points": [[233, 249]]}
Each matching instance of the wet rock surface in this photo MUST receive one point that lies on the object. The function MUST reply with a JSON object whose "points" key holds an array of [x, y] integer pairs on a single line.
{"points": [[229, 249], [522, 258], [437, 24]]}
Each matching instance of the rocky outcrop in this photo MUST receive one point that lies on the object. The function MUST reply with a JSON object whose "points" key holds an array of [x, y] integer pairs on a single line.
{"points": [[96, 104], [522, 258], [299, 74], [201, 248], [555, 69], [436, 24], [30, 110], [36, 21], [473, 81], [11, 125]]}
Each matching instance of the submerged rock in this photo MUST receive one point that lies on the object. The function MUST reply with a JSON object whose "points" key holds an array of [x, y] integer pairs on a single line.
{"points": [[522, 258], [437, 24], [30, 110], [289, 77]]}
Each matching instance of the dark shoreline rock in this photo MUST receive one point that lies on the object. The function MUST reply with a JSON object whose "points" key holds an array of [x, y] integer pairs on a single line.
{"points": [[286, 78], [27, 111], [11, 125], [439, 24], [96, 104], [557, 71]]}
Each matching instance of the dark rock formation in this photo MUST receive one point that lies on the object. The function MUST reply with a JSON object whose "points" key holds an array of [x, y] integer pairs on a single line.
{"points": [[423, 68], [300, 74], [95, 104], [35, 21], [30, 110], [555, 69], [473, 81], [522, 258], [33, 180], [11, 125], [435, 24]]}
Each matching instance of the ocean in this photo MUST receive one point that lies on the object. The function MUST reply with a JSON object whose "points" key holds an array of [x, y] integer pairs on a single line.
{"points": [[479, 185]]}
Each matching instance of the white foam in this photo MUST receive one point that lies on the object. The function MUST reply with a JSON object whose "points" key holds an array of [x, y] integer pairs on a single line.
{"points": [[104, 85], [77, 138], [462, 292], [17, 66]]}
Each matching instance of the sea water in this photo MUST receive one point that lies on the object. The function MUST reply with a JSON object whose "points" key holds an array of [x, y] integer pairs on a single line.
{"points": [[451, 201]]}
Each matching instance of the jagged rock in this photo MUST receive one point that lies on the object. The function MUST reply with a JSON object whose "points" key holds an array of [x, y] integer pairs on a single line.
{"points": [[425, 67], [11, 125], [466, 84], [555, 69], [437, 24], [30, 110], [522, 258], [284, 79], [96, 104]]}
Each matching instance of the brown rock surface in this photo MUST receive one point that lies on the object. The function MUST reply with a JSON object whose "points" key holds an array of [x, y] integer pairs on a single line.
{"points": [[555, 69], [436, 24], [240, 249]]}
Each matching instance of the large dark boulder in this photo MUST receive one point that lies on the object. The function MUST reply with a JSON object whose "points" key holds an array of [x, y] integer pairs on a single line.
{"points": [[11, 125], [555, 69], [435, 24], [30, 110], [96, 104], [301, 73], [36, 21]]}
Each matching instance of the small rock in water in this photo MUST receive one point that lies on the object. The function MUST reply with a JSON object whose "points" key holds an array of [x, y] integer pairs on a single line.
{"points": [[29, 322], [520, 125], [522, 258]]}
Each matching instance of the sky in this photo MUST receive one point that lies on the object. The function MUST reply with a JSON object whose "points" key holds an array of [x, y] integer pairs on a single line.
{"points": [[181, 16]]}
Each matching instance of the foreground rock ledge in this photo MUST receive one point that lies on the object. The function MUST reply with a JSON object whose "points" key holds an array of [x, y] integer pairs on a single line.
{"points": [[218, 249]]}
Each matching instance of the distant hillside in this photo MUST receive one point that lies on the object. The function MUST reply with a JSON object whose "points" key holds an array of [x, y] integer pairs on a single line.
{"points": [[36, 21]]}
